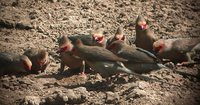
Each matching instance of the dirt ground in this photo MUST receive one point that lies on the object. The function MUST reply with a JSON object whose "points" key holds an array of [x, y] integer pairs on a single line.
{"points": [[38, 23]]}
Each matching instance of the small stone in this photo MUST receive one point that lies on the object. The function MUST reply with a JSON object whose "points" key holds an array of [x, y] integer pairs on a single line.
{"points": [[136, 93], [13, 77], [170, 65], [82, 94], [31, 100], [111, 97], [50, 99], [53, 1], [143, 84], [140, 92], [123, 79], [6, 85], [65, 98], [71, 96]]}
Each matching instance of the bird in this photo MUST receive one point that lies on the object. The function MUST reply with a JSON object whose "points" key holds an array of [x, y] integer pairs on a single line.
{"points": [[176, 50], [99, 59], [119, 35], [11, 63], [67, 58], [105, 62], [66, 43], [144, 35], [39, 58], [95, 38], [139, 60]]}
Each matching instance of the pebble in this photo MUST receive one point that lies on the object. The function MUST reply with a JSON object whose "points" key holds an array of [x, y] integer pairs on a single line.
{"points": [[111, 97], [31, 100]]}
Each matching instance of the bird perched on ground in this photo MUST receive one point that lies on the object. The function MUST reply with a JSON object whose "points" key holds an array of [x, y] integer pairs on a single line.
{"points": [[12, 63], [102, 60], [119, 35], [67, 58], [176, 50], [96, 38], [144, 35], [139, 60], [39, 59]]}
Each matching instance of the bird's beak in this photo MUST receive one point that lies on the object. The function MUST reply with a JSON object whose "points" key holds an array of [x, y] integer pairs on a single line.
{"points": [[144, 26], [29, 67]]}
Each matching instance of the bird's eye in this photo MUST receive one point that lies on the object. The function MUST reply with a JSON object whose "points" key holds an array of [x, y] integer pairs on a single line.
{"points": [[123, 38]]}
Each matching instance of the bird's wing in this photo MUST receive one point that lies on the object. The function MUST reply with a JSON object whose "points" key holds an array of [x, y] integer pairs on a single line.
{"points": [[94, 53], [86, 39], [6, 58], [185, 44], [138, 55]]}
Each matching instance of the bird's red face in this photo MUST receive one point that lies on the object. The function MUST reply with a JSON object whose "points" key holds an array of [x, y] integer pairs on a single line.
{"points": [[143, 25], [158, 46], [27, 65], [63, 49], [98, 38]]}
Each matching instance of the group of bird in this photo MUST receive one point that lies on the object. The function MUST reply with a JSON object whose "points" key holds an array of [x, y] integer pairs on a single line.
{"points": [[108, 56]]}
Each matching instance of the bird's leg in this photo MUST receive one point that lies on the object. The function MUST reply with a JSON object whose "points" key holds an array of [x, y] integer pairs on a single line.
{"points": [[82, 74], [62, 67], [189, 61]]}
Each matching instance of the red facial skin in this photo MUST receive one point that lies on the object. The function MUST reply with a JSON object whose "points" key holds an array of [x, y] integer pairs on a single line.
{"points": [[98, 39], [62, 49], [26, 66], [158, 48], [143, 25]]}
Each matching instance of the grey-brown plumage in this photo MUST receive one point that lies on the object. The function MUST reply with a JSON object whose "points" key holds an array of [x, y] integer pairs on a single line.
{"points": [[13, 63], [175, 49], [119, 35], [139, 60], [39, 59], [67, 58], [95, 38], [104, 61], [100, 59], [144, 35]]}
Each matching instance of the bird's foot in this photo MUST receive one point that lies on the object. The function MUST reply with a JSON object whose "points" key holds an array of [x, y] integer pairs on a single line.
{"points": [[185, 64], [83, 75]]}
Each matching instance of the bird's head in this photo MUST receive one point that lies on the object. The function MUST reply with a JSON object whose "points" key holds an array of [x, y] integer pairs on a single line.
{"points": [[78, 43], [25, 62], [98, 36], [65, 44], [158, 46], [116, 46], [42, 57], [141, 23], [119, 34]]}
